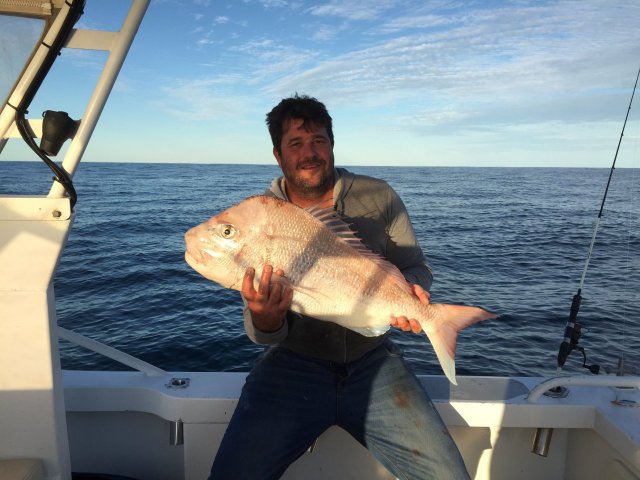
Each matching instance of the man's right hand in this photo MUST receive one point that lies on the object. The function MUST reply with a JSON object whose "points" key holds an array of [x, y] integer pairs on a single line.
{"points": [[270, 302]]}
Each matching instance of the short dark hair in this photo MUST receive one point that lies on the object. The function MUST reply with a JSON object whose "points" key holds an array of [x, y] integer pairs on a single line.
{"points": [[309, 109]]}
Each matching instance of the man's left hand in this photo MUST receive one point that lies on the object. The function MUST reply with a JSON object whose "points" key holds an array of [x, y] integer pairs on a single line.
{"points": [[406, 324]]}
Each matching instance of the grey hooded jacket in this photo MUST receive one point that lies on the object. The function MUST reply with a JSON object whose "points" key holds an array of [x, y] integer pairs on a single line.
{"points": [[378, 216]]}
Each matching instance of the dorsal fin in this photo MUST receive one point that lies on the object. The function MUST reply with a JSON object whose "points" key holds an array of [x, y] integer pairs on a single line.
{"points": [[341, 229]]}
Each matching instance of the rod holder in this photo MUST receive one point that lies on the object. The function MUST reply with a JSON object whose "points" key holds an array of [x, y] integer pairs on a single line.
{"points": [[176, 432], [57, 127], [541, 441]]}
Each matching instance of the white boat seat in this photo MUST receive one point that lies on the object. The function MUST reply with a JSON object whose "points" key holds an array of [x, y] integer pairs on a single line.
{"points": [[21, 469]]}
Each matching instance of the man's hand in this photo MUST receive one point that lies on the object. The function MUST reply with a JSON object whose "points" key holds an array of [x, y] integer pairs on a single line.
{"points": [[269, 303], [412, 324]]}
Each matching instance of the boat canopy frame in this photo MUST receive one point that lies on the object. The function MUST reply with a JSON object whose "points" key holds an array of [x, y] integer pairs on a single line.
{"points": [[33, 232]]}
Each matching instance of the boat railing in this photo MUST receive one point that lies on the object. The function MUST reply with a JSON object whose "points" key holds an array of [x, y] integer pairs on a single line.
{"points": [[583, 381], [110, 352]]}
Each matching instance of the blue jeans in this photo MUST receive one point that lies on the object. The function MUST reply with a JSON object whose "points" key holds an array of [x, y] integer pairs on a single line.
{"points": [[288, 400]]}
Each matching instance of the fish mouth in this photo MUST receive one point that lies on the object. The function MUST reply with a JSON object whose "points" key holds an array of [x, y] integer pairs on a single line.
{"points": [[191, 255], [196, 252], [193, 258], [198, 256]]}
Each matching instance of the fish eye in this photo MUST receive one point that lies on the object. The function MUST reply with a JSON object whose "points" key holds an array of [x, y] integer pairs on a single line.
{"points": [[227, 231]]}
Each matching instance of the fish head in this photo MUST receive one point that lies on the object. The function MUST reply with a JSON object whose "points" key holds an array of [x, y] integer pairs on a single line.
{"points": [[223, 247]]}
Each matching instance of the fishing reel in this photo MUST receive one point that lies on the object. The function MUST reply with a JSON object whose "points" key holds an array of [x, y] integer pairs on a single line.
{"points": [[572, 333]]}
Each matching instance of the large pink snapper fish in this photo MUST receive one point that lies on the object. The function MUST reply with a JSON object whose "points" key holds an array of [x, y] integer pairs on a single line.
{"points": [[333, 275]]}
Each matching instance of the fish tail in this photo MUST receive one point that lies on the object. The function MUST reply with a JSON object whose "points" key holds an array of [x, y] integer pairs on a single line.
{"points": [[442, 331]]}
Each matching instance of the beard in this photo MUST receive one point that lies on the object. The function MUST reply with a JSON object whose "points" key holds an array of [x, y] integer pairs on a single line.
{"points": [[313, 186]]}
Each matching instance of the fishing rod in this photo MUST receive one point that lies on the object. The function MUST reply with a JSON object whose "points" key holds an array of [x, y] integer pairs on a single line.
{"points": [[573, 329]]}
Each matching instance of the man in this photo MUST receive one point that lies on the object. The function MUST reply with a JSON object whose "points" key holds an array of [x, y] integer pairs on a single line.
{"points": [[317, 374]]}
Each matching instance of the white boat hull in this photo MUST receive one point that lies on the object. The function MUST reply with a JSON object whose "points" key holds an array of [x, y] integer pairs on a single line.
{"points": [[120, 423]]}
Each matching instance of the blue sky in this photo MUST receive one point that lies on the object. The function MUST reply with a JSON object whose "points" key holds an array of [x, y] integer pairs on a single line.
{"points": [[430, 82]]}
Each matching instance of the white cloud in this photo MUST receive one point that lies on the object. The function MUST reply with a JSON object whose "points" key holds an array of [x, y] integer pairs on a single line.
{"points": [[324, 33], [515, 75], [353, 10], [268, 59], [504, 65], [273, 3], [201, 99], [401, 24]]}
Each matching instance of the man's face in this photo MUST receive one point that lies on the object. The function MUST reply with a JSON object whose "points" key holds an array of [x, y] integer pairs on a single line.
{"points": [[306, 158]]}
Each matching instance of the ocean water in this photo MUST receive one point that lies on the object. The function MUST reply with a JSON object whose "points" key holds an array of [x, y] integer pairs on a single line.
{"points": [[513, 240]]}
